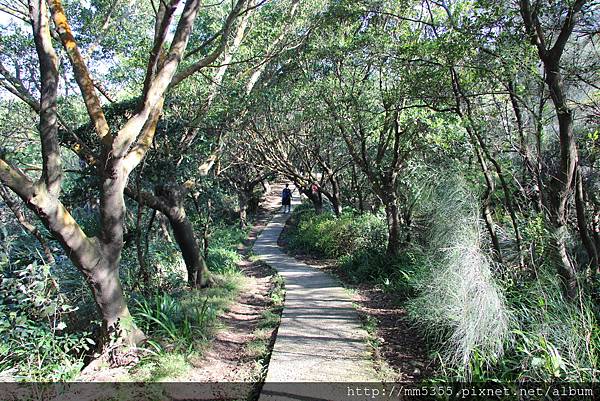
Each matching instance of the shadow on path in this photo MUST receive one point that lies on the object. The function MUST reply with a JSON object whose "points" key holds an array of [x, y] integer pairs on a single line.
{"points": [[320, 338]]}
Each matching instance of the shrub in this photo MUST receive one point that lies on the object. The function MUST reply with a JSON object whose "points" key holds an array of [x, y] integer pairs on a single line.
{"points": [[358, 242], [34, 327], [331, 237], [223, 257], [554, 338]]}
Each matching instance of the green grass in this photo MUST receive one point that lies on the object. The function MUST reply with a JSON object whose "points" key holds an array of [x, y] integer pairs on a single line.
{"points": [[180, 319], [263, 333], [180, 325], [259, 348], [277, 293], [161, 367], [269, 319], [256, 348]]}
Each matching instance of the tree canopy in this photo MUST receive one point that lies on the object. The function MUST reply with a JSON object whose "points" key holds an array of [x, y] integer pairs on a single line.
{"points": [[467, 132]]}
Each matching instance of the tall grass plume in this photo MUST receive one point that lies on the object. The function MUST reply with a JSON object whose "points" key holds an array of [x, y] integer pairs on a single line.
{"points": [[461, 305]]}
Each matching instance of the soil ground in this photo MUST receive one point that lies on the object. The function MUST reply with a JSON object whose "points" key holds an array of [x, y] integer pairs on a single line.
{"points": [[227, 359]]}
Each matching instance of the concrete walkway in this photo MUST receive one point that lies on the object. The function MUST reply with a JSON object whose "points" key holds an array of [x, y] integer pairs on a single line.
{"points": [[320, 338]]}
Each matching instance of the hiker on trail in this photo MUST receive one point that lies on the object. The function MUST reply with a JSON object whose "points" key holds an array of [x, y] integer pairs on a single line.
{"points": [[286, 198]]}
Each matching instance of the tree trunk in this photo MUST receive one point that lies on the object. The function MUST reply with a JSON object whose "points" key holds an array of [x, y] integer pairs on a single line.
{"points": [[105, 284], [486, 203], [534, 169], [266, 187], [358, 191], [144, 283], [198, 274], [170, 200], [335, 197], [482, 154], [562, 183], [97, 260], [589, 244], [407, 219], [361, 202], [539, 165], [507, 201], [315, 198], [596, 235], [392, 213], [206, 229], [376, 204], [563, 180], [317, 202], [164, 228], [243, 203], [489, 223], [100, 264]]}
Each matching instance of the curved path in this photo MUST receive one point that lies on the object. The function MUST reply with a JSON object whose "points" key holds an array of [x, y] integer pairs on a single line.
{"points": [[320, 338]]}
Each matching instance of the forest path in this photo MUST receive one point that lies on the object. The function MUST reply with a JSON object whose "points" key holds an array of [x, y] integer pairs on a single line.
{"points": [[320, 338]]}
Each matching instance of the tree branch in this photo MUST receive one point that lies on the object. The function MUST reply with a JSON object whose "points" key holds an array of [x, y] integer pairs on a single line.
{"points": [[164, 17], [81, 72], [16, 180], [195, 67], [157, 88], [566, 30], [48, 128]]}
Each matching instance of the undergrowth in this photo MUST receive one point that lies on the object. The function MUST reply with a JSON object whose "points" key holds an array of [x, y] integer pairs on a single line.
{"points": [[461, 306], [47, 315], [357, 242], [39, 341], [180, 325], [489, 321], [482, 320]]}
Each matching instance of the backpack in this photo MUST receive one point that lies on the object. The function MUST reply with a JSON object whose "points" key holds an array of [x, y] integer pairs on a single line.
{"points": [[287, 194]]}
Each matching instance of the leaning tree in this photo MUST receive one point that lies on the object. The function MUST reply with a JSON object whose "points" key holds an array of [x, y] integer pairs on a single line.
{"points": [[121, 148]]}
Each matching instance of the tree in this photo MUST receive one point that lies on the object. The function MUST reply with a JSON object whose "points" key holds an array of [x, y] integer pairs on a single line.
{"points": [[180, 160], [122, 149], [566, 180]]}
